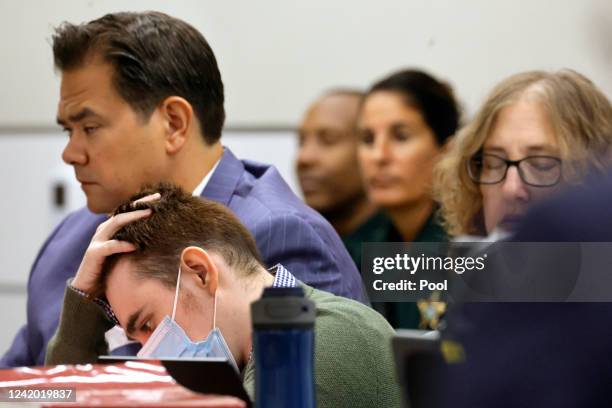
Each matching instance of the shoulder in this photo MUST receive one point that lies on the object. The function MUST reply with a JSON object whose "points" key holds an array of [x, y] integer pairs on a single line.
{"points": [[76, 226], [68, 241], [353, 341], [261, 196], [263, 200], [263, 183], [338, 314], [81, 219], [582, 213]]}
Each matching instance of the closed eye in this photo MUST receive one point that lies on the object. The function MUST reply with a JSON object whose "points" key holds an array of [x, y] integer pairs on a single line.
{"points": [[90, 129], [146, 328]]}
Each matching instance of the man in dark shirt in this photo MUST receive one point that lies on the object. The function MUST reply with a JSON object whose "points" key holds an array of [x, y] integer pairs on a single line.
{"points": [[329, 173], [539, 354]]}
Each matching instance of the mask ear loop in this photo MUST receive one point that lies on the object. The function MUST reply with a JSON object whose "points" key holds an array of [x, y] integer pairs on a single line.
{"points": [[178, 284], [215, 311], [214, 303]]}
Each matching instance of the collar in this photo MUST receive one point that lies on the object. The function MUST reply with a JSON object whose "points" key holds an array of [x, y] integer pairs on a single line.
{"points": [[200, 187], [223, 184], [282, 277]]}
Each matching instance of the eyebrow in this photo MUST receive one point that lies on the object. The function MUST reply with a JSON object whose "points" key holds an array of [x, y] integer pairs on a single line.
{"points": [[131, 324], [401, 125], [493, 149], [79, 116], [542, 148], [530, 149]]}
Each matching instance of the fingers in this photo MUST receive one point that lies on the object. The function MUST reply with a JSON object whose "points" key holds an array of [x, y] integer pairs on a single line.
{"points": [[87, 277], [102, 246], [125, 218], [109, 227], [149, 198], [116, 247]]}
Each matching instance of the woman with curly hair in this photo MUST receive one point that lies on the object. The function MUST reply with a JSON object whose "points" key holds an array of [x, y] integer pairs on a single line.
{"points": [[534, 133]]}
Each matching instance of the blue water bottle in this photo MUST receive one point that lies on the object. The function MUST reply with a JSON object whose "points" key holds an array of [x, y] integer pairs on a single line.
{"points": [[283, 337]]}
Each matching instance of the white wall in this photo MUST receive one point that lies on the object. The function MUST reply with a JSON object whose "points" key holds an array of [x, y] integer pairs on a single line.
{"points": [[275, 57]]}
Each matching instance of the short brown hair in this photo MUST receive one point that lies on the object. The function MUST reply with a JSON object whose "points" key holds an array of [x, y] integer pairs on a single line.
{"points": [[180, 220], [581, 116], [154, 56]]}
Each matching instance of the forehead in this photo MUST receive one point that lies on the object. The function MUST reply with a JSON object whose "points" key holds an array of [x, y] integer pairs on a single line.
{"points": [[333, 110], [86, 86], [126, 291], [388, 106], [121, 275], [521, 126]]}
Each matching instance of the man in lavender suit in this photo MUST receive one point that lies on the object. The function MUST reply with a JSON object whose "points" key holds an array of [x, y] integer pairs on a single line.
{"points": [[141, 100]]}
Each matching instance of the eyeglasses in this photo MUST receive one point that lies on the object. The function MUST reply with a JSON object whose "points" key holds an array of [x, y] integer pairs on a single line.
{"points": [[537, 171]]}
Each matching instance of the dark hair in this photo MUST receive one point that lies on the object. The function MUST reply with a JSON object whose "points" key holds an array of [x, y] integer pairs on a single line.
{"points": [[154, 56], [180, 220], [433, 98]]}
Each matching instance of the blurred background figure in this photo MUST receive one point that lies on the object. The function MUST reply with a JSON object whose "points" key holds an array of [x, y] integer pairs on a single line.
{"points": [[404, 123], [328, 171], [535, 133], [543, 131]]}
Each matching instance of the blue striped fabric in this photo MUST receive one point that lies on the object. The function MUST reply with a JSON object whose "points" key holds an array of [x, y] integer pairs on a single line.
{"points": [[282, 277], [286, 230]]}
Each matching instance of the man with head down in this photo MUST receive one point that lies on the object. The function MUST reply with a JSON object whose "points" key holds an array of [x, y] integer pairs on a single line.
{"points": [[181, 273], [141, 101]]}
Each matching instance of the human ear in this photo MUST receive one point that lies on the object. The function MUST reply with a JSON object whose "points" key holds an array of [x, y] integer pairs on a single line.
{"points": [[203, 266], [177, 114]]}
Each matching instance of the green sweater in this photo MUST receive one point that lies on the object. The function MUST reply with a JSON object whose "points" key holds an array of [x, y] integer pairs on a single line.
{"points": [[353, 360]]}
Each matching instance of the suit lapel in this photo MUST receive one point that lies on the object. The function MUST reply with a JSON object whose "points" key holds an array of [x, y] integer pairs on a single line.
{"points": [[224, 180]]}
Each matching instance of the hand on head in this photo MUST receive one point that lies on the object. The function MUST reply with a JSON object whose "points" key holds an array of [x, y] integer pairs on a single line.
{"points": [[102, 245]]}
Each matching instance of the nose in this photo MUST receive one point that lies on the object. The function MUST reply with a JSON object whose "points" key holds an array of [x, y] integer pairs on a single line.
{"points": [[307, 154], [513, 188], [75, 153], [380, 150]]}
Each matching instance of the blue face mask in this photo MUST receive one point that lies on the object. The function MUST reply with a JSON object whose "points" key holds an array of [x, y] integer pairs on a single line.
{"points": [[169, 340]]}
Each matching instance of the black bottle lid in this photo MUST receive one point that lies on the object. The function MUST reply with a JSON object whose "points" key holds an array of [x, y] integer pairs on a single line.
{"points": [[283, 308]]}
